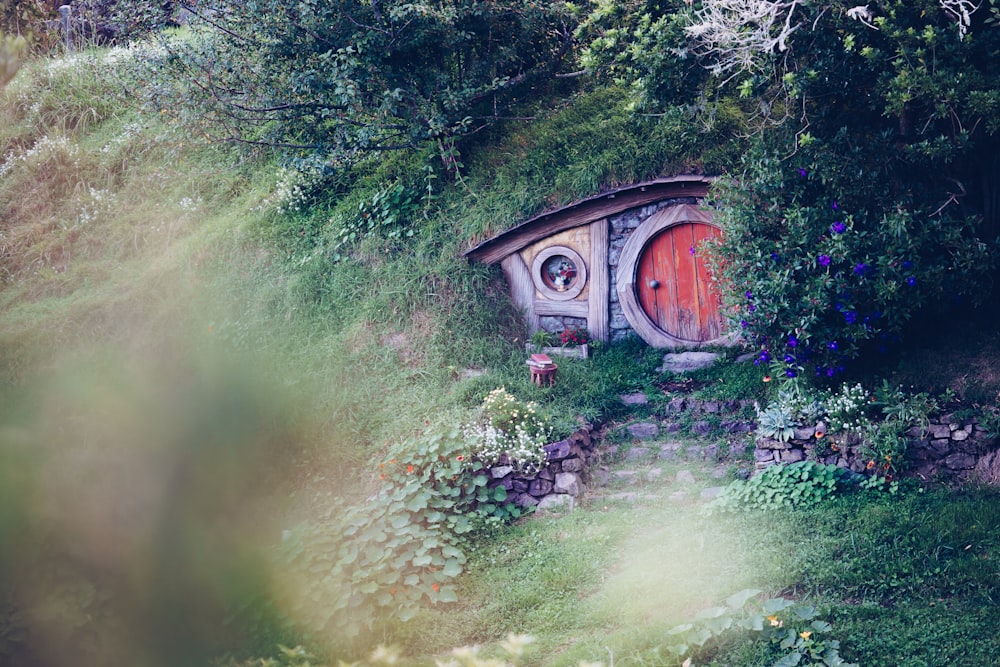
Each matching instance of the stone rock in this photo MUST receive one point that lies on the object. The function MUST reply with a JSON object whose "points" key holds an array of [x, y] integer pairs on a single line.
{"points": [[637, 398], [939, 431], [676, 405], [628, 497], [668, 452], [672, 427], [678, 496], [569, 483], [557, 502], [702, 428], [540, 487], [804, 433], [654, 474], [694, 453], [792, 456], [624, 475], [763, 455], [643, 430], [500, 472], [711, 453], [711, 492], [520, 485], [684, 477], [987, 470], [557, 451], [737, 449], [681, 362], [525, 500], [547, 474], [959, 435], [637, 454], [507, 483], [711, 407], [960, 461], [600, 476], [572, 465], [941, 446]]}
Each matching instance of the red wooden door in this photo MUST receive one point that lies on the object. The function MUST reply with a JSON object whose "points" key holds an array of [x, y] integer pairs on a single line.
{"points": [[673, 285]]}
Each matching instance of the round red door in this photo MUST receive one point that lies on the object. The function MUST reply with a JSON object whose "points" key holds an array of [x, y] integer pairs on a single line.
{"points": [[673, 286]]}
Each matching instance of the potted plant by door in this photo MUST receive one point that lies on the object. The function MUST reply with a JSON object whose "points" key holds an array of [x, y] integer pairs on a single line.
{"points": [[575, 341]]}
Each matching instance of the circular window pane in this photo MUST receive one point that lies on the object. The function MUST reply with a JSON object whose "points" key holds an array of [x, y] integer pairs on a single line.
{"points": [[560, 272]]}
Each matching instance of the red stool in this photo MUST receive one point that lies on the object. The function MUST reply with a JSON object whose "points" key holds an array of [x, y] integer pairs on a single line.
{"points": [[542, 375]]}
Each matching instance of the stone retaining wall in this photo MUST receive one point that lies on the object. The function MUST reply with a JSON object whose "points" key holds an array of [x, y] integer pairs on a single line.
{"points": [[949, 446], [559, 483]]}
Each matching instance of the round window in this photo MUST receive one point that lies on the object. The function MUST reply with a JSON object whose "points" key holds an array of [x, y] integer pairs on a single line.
{"points": [[559, 273]]}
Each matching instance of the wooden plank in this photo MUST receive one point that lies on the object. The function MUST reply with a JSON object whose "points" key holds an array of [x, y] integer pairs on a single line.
{"points": [[585, 211], [710, 319], [561, 308], [598, 319], [522, 288]]}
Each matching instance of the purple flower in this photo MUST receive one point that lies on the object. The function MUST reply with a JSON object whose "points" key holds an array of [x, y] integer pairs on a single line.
{"points": [[838, 227], [691, 250], [789, 359], [744, 324], [851, 317], [834, 205], [752, 308], [792, 341], [907, 264], [832, 345], [829, 372], [764, 356], [823, 260], [790, 373], [911, 281], [776, 257], [749, 295], [860, 269], [803, 173]]}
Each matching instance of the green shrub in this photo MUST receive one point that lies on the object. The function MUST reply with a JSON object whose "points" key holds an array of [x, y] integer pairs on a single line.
{"points": [[801, 484], [820, 261]]}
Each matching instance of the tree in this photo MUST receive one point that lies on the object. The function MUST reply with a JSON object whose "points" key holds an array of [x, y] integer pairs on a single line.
{"points": [[352, 77]]}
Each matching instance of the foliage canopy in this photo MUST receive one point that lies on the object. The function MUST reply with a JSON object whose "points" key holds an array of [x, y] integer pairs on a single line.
{"points": [[350, 78]]}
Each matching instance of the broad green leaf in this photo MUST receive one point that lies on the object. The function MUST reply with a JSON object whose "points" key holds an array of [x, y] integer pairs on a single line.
{"points": [[774, 605], [452, 568], [737, 600], [447, 594]]}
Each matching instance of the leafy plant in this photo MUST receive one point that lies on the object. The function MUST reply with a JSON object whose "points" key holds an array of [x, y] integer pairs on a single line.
{"points": [[777, 422], [801, 484], [791, 626]]}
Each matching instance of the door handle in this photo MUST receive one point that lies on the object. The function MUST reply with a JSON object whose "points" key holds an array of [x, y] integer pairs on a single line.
{"points": [[654, 283]]}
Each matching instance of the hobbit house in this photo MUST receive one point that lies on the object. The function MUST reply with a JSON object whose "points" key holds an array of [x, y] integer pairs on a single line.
{"points": [[623, 262]]}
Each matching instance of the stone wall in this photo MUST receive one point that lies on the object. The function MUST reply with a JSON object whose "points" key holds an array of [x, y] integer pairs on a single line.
{"points": [[622, 226], [560, 483], [950, 446]]}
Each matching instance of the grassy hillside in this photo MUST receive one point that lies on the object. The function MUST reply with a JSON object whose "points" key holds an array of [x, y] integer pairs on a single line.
{"points": [[198, 360]]}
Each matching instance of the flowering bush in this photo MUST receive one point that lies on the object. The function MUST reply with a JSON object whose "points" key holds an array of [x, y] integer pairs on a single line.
{"points": [[573, 336], [508, 430], [821, 259]]}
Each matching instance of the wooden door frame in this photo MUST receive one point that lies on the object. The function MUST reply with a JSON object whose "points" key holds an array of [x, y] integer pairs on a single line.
{"points": [[628, 265]]}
